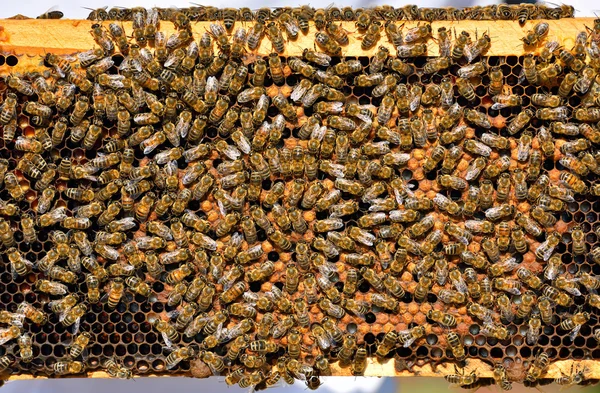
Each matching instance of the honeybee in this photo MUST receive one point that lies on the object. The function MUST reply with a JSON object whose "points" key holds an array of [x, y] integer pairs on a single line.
{"points": [[359, 363], [444, 203], [477, 48], [538, 367], [79, 344], [416, 50], [535, 35], [117, 371], [462, 379], [65, 367], [478, 118]]}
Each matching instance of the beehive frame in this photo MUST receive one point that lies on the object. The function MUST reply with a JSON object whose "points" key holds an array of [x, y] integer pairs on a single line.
{"points": [[19, 38]]}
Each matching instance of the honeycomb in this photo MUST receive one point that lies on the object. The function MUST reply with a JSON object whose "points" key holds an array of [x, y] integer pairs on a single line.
{"points": [[122, 325]]}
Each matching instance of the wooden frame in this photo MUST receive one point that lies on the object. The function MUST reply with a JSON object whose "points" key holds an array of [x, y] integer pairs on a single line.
{"points": [[29, 40], [32, 38]]}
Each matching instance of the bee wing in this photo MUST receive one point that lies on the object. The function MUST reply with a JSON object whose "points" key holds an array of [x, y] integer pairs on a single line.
{"points": [[76, 326], [17, 320], [318, 132], [338, 170], [460, 285], [173, 314], [410, 340], [364, 117], [487, 328], [168, 342], [298, 92], [216, 29], [327, 269], [212, 84], [513, 291], [59, 289], [4, 338], [498, 106], [573, 291], [322, 59], [509, 264], [292, 29], [336, 107], [192, 329], [415, 102], [222, 334], [547, 254], [54, 302], [492, 212], [575, 332]]}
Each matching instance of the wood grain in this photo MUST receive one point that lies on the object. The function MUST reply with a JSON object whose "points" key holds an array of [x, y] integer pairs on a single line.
{"points": [[30, 39]]}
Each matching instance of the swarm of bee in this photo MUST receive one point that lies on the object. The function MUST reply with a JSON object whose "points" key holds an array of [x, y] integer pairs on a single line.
{"points": [[521, 12], [268, 225]]}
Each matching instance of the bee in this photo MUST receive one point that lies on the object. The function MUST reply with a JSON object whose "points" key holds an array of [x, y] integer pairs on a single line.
{"points": [[359, 363], [453, 182], [572, 379], [8, 110], [275, 36], [73, 315], [496, 81], [25, 347], [117, 371], [444, 203], [372, 35], [102, 39], [538, 367], [115, 292], [248, 381], [536, 35], [79, 344], [178, 355], [327, 44], [507, 285], [288, 22], [219, 34], [567, 84], [465, 89], [442, 318], [423, 286], [455, 343], [66, 367], [478, 118], [460, 43]]}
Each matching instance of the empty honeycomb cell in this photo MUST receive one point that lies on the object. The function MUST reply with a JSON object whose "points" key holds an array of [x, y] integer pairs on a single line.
{"points": [[436, 353], [564, 353], [108, 351], [120, 350], [46, 350], [12, 60], [511, 350], [144, 349]]}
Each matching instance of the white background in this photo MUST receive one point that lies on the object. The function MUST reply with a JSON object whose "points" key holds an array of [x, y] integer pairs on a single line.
{"points": [[73, 10]]}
